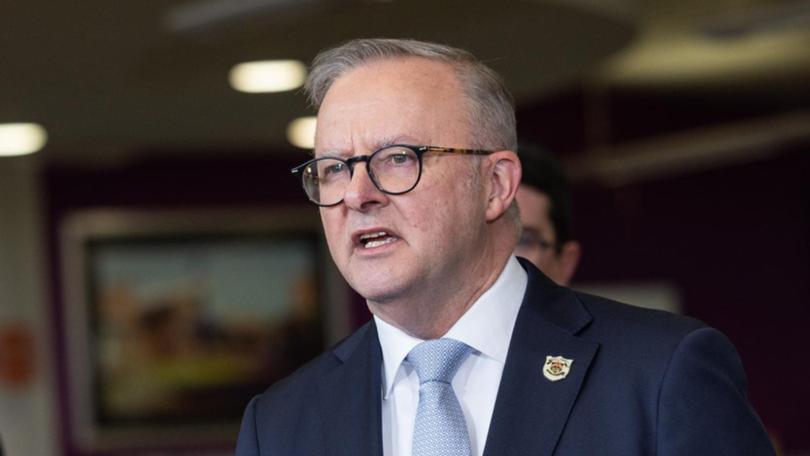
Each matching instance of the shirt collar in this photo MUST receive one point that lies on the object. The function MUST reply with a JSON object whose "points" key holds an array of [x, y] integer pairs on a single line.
{"points": [[486, 326]]}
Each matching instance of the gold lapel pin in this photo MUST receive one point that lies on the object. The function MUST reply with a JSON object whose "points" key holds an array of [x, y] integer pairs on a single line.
{"points": [[557, 368]]}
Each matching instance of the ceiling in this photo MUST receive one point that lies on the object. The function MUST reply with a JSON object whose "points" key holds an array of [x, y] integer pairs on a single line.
{"points": [[748, 45], [112, 80]]}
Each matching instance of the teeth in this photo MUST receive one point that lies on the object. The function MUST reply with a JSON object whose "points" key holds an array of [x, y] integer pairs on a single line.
{"points": [[372, 235], [371, 240], [372, 244]]}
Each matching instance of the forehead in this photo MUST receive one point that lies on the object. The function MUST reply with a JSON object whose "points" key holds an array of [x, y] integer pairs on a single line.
{"points": [[381, 101]]}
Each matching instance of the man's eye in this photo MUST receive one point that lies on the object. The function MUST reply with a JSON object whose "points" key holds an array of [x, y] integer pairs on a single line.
{"points": [[336, 168], [399, 159]]}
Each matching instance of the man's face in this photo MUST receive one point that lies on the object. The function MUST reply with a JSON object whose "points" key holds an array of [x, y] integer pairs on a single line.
{"points": [[538, 242], [423, 239]]}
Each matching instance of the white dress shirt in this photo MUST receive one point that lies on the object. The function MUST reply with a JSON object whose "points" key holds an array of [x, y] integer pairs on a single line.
{"points": [[487, 328]]}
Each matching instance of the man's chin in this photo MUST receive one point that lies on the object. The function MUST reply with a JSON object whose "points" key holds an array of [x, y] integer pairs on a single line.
{"points": [[374, 294], [380, 292]]}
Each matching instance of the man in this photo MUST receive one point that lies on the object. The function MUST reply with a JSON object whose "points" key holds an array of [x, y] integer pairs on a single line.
{"points": [[470, 351], [545, 213]]}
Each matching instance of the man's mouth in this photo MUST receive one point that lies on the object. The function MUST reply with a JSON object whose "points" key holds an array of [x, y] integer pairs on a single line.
{"points": [[376, 239]]}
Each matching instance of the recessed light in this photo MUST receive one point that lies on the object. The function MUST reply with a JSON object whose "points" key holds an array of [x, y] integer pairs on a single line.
{"points": [[301, 132], [268, 76], [21, 138]]}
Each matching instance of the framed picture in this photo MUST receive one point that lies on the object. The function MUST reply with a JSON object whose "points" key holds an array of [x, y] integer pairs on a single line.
{"points": [[174, 320]]}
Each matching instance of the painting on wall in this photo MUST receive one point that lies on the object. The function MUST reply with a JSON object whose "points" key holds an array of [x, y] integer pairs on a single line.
{"points": [[173, 326]]}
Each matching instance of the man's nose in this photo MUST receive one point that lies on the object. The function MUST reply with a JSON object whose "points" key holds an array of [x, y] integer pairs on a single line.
{"points": [[361, 193]]}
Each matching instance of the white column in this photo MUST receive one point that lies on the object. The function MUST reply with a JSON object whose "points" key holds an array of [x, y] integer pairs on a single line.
{"points": [[28, 424]]}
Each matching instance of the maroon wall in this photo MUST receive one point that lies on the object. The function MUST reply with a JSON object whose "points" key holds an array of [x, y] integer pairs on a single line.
{"points": [[734, 239], [735, 243]]}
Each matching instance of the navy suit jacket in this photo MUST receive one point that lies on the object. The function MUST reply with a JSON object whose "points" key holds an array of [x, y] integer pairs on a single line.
{"points": [[642, 382]]}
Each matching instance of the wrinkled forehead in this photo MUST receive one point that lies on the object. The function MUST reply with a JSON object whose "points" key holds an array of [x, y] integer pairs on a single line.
{"points": [[405, 97]]}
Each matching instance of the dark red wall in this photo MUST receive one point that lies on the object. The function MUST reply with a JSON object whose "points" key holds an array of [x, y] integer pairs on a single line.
{"points": [[734, 239], [735, 243]]}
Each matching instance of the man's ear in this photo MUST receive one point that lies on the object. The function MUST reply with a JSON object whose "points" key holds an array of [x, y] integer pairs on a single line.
{"points": [[503, 179]]}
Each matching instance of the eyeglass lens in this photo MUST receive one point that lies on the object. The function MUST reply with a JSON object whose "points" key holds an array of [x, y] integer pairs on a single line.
{"points": [[393, 170]]}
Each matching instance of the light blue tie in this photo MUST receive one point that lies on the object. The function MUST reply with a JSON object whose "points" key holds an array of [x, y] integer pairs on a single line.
{"points": [[440, 429]]}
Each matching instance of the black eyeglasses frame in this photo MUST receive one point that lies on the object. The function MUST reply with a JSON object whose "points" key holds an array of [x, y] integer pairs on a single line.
{"points": [[418, 150]]}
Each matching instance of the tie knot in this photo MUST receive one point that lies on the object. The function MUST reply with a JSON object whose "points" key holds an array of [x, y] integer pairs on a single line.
{"points": [[438, 360]]}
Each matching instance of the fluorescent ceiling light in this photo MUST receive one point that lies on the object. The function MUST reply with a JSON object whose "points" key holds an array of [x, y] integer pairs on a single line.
{"points": [[268, 76], [21, 138], [301, 132]]}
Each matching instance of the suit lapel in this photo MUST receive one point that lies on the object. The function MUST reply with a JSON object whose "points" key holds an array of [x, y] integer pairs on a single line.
{"points": [[350, 396], [531, 411]]}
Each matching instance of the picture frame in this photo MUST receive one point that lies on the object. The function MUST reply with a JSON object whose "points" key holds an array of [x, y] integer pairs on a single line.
{"points": [[174, 320]]}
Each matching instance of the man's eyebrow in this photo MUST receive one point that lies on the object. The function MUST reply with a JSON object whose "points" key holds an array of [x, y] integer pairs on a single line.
{"points": [[398, 139], [331, 153]]}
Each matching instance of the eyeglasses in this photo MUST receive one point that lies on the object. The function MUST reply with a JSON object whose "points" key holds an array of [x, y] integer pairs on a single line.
{"points": [[394, 170]]}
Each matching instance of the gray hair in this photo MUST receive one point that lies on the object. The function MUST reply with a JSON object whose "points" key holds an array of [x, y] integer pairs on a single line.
{"points": [[490, 114]]}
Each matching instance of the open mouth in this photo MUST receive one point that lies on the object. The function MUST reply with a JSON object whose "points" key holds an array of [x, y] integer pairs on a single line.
{"points": [[376, 239]]}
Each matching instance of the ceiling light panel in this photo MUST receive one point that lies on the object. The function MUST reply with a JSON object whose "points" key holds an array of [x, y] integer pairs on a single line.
{"points": [[268, 76], [21, 138], [301, 132]]}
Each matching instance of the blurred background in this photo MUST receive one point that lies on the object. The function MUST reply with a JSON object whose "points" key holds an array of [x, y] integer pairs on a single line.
{"points": [[159, 265]]}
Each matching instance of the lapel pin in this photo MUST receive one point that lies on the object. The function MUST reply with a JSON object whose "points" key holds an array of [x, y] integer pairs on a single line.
{"points": [[557, 368]]}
